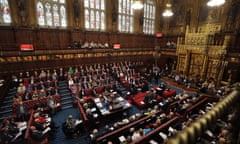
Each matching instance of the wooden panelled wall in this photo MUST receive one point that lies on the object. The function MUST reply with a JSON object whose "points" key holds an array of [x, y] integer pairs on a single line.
{"points": [[58, 39], [52, 48]]}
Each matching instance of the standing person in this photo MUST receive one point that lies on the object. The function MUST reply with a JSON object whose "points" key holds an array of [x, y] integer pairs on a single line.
{"points": [[22, 112], [71, 127], [156, 76], [52, 105]]}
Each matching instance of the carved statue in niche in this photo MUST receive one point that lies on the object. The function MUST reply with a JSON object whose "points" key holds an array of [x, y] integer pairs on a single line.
{"points": [[21, 4], [76, 9]]}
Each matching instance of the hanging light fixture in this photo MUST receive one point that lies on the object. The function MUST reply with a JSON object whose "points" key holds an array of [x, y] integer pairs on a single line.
{"points": [[168, 11], [213, 3], [137, 4]]}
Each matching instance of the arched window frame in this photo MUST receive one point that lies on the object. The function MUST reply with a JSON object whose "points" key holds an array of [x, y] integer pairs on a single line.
{"points": [[125, 16], [149, 10], [51, 13], [5, 13], [94, 15]]}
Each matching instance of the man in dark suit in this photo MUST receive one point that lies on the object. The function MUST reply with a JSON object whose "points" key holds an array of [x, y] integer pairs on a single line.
{"points": [[71, 127], [22, 112], [148, 99], [38, 134]]}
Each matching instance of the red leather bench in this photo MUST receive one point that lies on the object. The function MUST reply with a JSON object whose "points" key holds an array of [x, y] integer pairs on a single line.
{"points": [[28, 137], [137, 99], [121, 130], [83, 114], [30, 103], [196, 105], [169, 93]]}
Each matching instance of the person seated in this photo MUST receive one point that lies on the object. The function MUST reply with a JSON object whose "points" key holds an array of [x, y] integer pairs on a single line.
{"points": [[85, 45], [35, 95], [148, 99], [12, 131], [42, 121], [17, 99], [42, 76], [42, 93], [94, 135], [37, 134], [71, 127], [157, 123], [94, 92], [93, 117], [51, 91], [137, 134], [21, 89], [93, 44], [106, 45], [82, 93], [6, 137]]}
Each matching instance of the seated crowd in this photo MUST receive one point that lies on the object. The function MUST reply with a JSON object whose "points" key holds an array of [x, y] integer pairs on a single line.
{"points": [[88, 44], [96, 84]]}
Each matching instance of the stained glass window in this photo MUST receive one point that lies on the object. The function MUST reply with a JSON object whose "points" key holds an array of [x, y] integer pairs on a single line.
{"points": [[40, 14], [94, 14], [149, 17], [51, 13], [87, 20], [5, 13], [125, 16]]}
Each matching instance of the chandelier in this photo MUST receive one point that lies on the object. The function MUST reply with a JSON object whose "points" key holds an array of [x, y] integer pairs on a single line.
{"points": [[137, 4], [168, 11], [213, 3]]}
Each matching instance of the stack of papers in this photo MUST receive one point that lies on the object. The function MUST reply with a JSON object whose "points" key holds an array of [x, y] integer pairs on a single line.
{"points": [[153, 142], [163, 135], [122, 139], [93, 109]]}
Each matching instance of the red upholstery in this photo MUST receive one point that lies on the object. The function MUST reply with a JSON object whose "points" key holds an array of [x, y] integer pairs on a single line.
{"points": [[31, 103], [169, 93], [88, 92], [83, 114], [126, 83], [27, 133], [138, 98], [99, 89], [88, 98]]}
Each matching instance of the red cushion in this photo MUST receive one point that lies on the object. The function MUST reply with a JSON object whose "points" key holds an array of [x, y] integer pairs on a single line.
{"points": [[138, 98], [169, 93]]}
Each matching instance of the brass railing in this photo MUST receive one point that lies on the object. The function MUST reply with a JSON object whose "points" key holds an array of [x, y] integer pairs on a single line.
{"points": [[190, 134]]}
